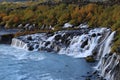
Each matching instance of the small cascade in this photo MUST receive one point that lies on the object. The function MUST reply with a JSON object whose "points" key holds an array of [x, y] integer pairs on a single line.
{"points": [[28, 42], [18, 43]]}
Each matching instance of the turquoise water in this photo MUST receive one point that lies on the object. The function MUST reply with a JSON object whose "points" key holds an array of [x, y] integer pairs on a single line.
{"points": [[17, 64]]}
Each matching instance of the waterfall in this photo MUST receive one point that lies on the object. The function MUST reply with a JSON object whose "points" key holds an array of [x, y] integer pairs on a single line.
{"points": [[105, 48], [85, 44], [18, 43], [65, 42], [79, 44], [107, 62]]}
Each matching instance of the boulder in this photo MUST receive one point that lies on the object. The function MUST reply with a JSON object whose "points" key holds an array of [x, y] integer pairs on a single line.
{"points": [[98, 34], [49, 34], [31, 48], [6, 39], [90, 59], [47, 43], [48, 50], [94, 35], [84, 43], [58, 37], [36, 46], [67, 25], [29, 38], [64, 38], [87, 78], [67, 42]]}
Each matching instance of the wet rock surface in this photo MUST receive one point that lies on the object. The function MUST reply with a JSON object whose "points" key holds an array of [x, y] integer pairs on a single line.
{"points": [[6, 39], [90, 59]]}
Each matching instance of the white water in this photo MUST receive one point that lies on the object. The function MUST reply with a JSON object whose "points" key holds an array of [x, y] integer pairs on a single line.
{"points": [[75, 48]]}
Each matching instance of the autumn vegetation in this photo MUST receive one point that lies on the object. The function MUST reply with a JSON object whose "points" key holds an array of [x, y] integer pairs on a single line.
{"points": [[96, 15]]}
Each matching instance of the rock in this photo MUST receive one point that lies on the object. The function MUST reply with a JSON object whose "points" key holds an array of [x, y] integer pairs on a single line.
{"points": [[47, 43], [67, 25], [88, 72], [41, 49], [67, 42], [64, 38], [58, 37], [29, 38], [36, 46], [20, 26], [84, 43], [49, 34], [98, 34], [6, 39], [48, 50], [31, 48], [94, 35], [45, 49], [95, 72], [90, 59], [95, 53], [87, 78]]}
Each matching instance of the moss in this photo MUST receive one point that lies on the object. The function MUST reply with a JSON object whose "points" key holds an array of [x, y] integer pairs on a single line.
{"points": [[90, 59]]}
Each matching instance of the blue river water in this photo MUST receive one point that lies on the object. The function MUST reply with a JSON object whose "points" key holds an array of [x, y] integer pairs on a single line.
{"points": [[17, 64]]}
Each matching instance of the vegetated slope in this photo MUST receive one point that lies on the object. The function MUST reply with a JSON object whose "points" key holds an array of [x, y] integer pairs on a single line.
{"points": [[12, 0], [43, 0]]}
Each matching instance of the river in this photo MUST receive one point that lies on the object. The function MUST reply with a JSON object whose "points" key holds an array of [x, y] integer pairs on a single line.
{"points": [[18, 64]]}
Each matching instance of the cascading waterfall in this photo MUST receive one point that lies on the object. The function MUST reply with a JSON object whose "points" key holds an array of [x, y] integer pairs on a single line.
{"points": [[84, 45], [19, 43], [107, 61], [77, 45], [105, 48]]}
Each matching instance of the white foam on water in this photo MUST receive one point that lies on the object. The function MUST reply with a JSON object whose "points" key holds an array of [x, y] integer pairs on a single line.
{"points": [[21, 54]]}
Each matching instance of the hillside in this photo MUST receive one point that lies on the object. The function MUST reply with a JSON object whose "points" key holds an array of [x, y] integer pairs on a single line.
{"points": [[58, 0]]}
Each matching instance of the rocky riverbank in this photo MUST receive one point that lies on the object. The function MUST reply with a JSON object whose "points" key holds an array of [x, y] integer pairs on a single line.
{"points": [[6, 35]]}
